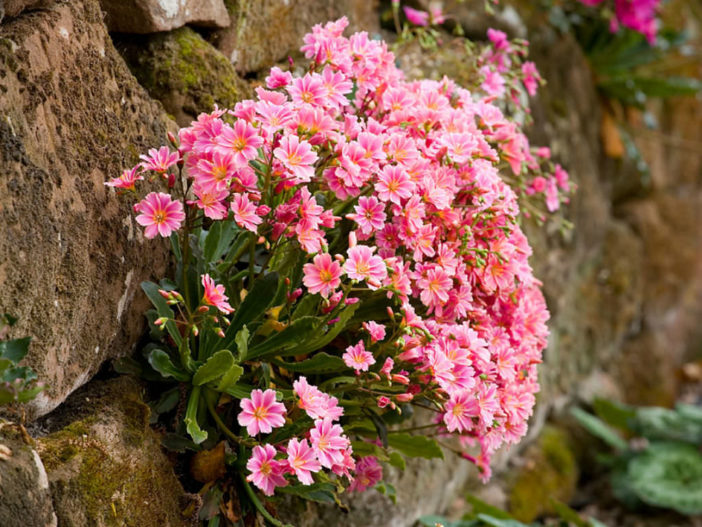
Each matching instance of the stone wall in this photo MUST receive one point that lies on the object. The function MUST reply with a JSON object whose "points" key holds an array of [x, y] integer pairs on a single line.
{"points": [[84, 89]]}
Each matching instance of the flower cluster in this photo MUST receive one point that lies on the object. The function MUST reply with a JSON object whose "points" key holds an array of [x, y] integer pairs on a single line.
{"points": [[638, 15], [391, 193]]}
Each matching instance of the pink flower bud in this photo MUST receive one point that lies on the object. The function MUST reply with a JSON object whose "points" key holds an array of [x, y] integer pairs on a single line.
{"points": [[195, 331], [405, 397], [383, 401], [203, 309]]}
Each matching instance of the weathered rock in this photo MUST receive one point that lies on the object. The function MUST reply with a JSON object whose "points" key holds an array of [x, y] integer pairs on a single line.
{"points": [[11, 8], [548, 472], [105, 465], [25, 487], [71, 116], [151, 16], [184, 72], [266, 31]]}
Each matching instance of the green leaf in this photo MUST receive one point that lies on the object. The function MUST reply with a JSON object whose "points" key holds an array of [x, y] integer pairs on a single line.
{"points": [[281, 343], [415, 446], [178, 443], [14, 350], [167, 402], [242, 342], [229, 379], [214, 368], [481, 507], [151, 289], [669, 474], [319, 363], [497, 522], [366, 448], [388, 490], [324, 339], [253, 306], [26, 395], [397, 461], [306, 307], [598, 428], [319, 492], [569, 515], [191, 424], [218, 239], [161, 362], [614, 414]]}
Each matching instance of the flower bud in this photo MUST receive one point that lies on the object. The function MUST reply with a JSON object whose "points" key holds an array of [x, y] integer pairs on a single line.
{"points": [[405, 397], [203, 309], [195, 330]]}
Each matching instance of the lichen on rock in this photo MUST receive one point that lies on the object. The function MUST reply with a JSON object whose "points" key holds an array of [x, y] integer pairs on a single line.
{"points": [[184, 72], [105, 467]]}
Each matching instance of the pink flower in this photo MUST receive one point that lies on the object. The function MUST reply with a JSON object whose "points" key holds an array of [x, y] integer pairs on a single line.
{"points": [[460, 411], [376, 331], [316, 403], [358, 358], [266, 472], [531, 77], [363, 265], [242, 140], [328, 442], [214, 295], [127, 180], [159, 160], [323, 275], [297, 156], [278, 78], [435, 287], [261, 413], [159, 214], [387, 367], [302, 460], [245, 212], [370, 214], [416, 17], [368, 473]]}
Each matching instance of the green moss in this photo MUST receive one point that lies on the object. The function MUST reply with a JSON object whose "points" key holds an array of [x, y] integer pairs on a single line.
{"points": [[107, 469], [549, 473], [185, 73]]}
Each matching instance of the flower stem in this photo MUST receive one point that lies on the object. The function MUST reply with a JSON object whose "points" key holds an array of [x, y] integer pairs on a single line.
{"points": [[259, 506]]}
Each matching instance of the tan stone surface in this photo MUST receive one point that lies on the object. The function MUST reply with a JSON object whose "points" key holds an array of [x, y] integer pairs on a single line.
{"points": [[71, 257]]}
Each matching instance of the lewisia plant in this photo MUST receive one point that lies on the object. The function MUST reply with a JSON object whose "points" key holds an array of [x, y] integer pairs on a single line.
{"points": [[352, 284]]}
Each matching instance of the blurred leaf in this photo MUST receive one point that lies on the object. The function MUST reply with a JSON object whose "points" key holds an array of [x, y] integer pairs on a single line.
{"points": [[14, 350], [397, 461], [415, 446], [325, 338], [599, 428], [614, 414], [669, 475], [481, 507]]}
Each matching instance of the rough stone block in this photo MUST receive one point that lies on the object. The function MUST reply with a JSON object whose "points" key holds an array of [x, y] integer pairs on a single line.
{"points": [[71, 116]]}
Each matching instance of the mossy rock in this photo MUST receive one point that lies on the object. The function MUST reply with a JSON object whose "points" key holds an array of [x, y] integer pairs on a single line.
{"points": [[549, 473], [106, 467], [184, 72]]}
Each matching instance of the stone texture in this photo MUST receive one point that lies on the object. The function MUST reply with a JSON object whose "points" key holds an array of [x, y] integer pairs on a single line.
{"points": [[12, 8], [71, 116], [151, 16], [23, 482], [184, 72], [266, 31], [105, 465]]}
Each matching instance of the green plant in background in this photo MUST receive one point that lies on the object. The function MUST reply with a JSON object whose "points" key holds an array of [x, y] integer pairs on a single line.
{"points": [[18, 384], [485, 515], [660, 464]]}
